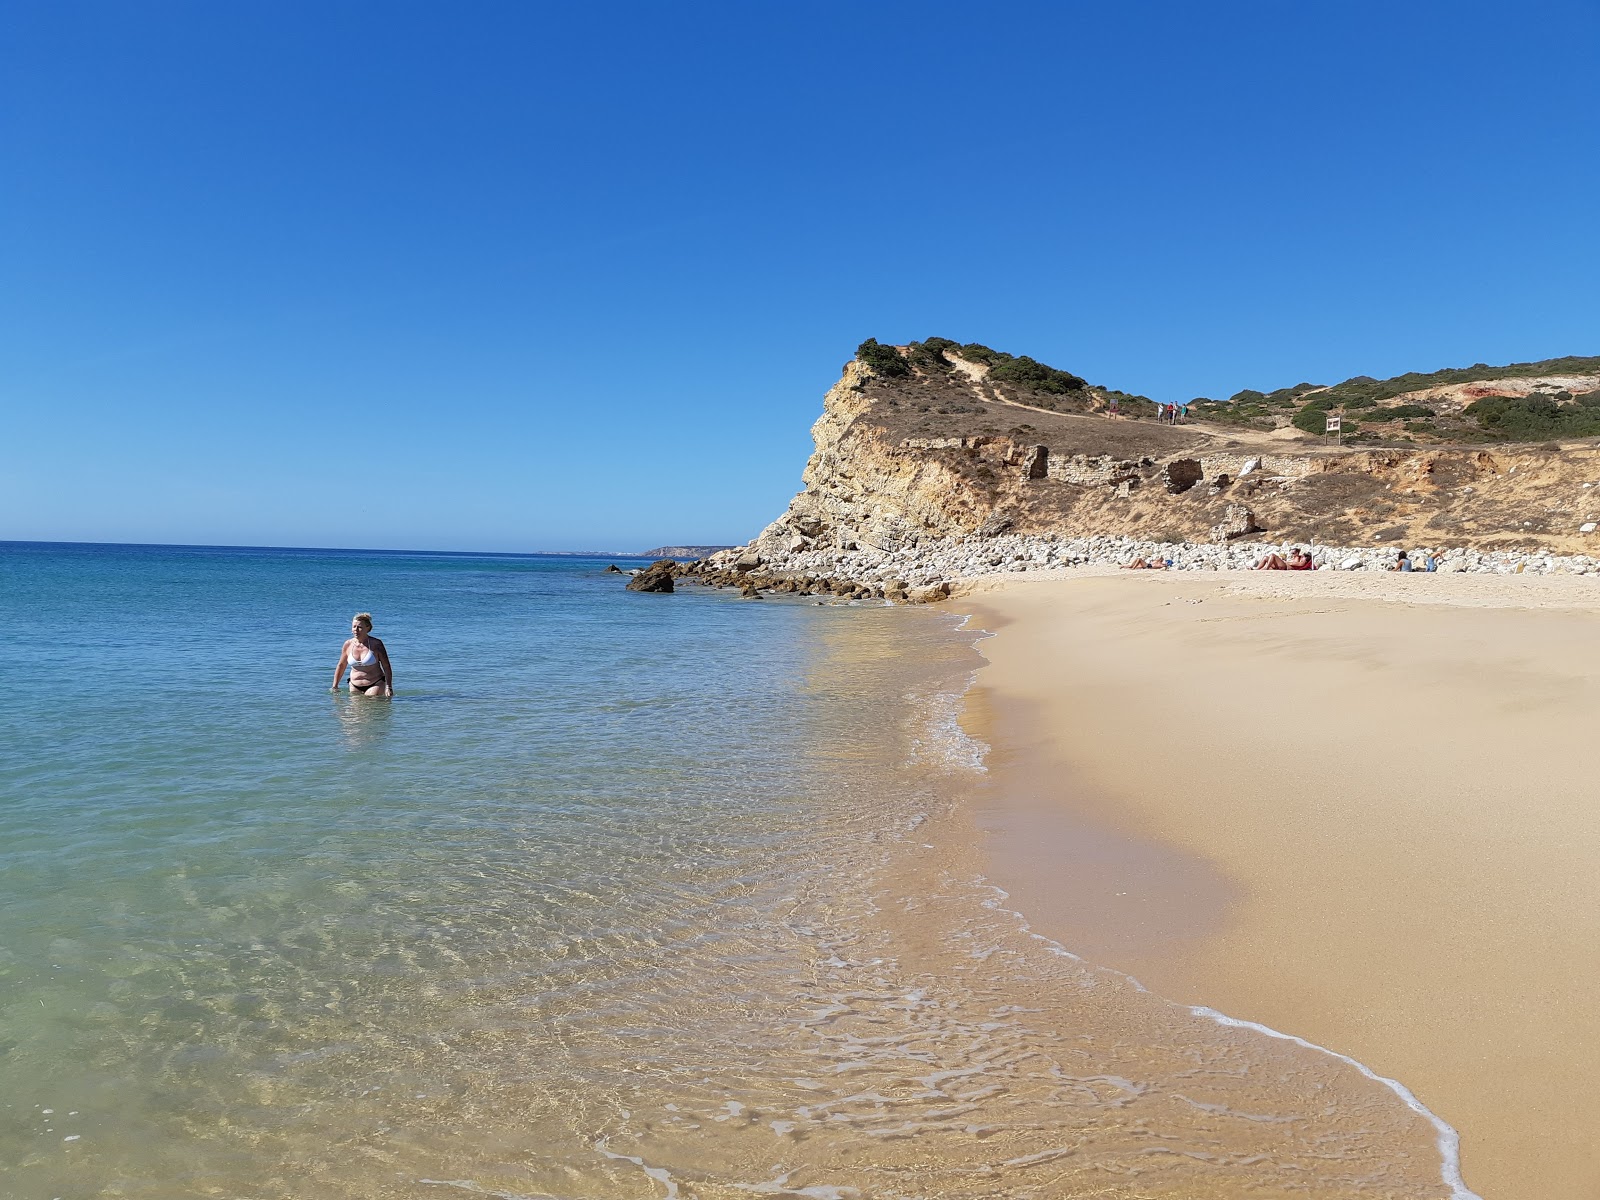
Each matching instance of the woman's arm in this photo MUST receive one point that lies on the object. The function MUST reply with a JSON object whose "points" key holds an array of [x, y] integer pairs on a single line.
{"points": [[338, 671], [383, 661]]}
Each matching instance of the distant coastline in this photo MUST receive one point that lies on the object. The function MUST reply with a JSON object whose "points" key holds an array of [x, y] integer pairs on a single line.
{"points": [[34, 543], [681, 551]]}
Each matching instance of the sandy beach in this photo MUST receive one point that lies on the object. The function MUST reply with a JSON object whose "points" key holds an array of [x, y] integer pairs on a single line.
{"points": [[1356, 808]]}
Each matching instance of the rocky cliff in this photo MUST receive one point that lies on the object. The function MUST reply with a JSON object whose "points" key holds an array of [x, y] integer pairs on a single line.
{"points": [[938, 448]]}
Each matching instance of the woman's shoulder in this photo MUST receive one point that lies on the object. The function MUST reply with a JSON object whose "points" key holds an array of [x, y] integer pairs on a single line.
{"points": [[378, 642]]}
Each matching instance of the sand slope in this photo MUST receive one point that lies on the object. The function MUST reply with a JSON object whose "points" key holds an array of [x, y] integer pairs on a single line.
{"points": [[1398, 795]]}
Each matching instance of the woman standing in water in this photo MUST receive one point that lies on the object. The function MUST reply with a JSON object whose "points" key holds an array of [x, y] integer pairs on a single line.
{"points": [[370, 673]]}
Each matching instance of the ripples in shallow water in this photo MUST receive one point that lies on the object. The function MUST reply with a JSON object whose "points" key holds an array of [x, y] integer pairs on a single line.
{"points": [[621, 894]]}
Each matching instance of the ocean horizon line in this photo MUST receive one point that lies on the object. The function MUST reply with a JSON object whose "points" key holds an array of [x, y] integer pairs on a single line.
{"points": [[635, 554]]}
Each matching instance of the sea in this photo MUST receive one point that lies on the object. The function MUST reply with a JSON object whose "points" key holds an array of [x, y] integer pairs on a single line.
{"points": [[621, 895]]}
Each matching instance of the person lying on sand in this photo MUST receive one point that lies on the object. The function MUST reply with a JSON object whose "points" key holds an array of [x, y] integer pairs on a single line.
{"points": [[1299, 560], [1150, 564], [1271, 562]]}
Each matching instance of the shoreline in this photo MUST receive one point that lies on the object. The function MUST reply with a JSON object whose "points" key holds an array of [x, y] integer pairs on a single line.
{"points": [[1381, 903]]}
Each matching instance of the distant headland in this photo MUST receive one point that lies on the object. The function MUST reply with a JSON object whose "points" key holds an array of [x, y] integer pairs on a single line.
{"points": [[680, 551]]}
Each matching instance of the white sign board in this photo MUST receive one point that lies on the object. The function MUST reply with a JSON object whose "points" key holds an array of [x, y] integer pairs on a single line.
{"points": [[1333, 424]]}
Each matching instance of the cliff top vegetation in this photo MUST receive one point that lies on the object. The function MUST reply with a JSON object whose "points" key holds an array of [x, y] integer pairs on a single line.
{"points": [[1527, 401], [1023, 378], [1518, 402]]}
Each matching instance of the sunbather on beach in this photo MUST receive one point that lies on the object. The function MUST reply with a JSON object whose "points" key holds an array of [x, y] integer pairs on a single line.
{"points": [[1299, 560], [1271, 562], [1403, 563]]}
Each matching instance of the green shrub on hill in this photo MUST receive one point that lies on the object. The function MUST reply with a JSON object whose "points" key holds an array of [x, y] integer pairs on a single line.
{"points": [[1532, 418], [885, 360], [1129, 404], [1366, 387], [1404, 411], [1023, 371], [1251, 416], [1313, 417], [929, 355], [1251, 408], [1036, 375]]}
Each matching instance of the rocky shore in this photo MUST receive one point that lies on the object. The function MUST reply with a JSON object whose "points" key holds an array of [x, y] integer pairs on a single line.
{"points": [[928, 473], [936, 570]]}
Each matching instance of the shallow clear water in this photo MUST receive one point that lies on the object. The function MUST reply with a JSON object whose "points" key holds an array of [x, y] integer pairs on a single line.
{"points": [[621, 895], [226, 887]]}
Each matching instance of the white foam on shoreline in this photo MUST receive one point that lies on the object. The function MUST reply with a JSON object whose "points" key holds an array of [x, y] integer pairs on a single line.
{"points": [[941, 737], [1447, 1139]]}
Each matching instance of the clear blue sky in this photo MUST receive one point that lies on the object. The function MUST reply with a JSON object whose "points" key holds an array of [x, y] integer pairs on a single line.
{"points": [[515, 276]]}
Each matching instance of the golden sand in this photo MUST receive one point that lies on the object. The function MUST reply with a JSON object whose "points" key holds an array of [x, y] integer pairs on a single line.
{"points": [[1360, 809]]}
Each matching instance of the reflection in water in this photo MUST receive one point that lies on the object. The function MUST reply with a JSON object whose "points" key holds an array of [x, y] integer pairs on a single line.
{"points": [[363, 720]]}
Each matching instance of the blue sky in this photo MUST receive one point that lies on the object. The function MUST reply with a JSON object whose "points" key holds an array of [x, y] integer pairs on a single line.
{"points": [[514, 276]]}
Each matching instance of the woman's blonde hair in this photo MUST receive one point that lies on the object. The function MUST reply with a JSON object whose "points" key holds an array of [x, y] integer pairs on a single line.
{"points": [[364, 618]]}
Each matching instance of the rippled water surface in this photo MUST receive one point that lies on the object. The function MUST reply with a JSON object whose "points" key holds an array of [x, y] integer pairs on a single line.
{"points": [[622, 895]]}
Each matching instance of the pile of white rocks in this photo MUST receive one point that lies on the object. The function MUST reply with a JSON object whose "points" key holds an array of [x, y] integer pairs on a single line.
{"points": [[933, 562]]}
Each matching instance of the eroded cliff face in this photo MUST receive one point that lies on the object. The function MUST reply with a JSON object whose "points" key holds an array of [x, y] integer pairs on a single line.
{"points": [[901, 461], [863, 488]]}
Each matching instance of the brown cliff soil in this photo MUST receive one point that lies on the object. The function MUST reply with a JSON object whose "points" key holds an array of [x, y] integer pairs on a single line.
{"points": [[941, 453]]}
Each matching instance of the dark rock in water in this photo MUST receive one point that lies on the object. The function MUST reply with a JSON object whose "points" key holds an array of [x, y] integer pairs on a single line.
{"points": [[613, 569], [657, 577], [750, 592]]}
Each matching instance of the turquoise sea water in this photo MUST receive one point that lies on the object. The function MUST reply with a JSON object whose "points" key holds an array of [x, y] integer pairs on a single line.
{"points": [[247, 922], [620, 896]]}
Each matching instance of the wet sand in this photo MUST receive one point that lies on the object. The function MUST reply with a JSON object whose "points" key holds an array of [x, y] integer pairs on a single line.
{"points": [[1360, 809]]}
